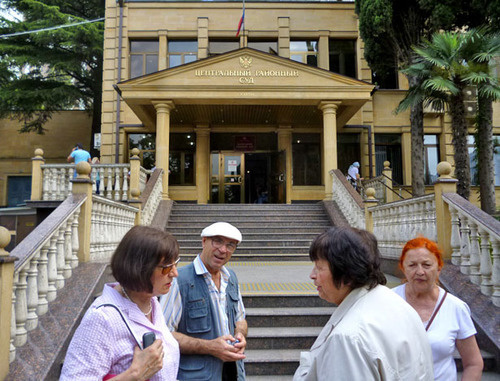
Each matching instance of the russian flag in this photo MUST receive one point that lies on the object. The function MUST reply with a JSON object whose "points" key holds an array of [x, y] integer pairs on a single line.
{"points": [[242, 21]]}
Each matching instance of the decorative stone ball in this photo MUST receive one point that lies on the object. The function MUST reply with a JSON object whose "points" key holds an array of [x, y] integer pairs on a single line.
{"points": [[135, 193], [39, 152], [387, 164], [135, 152], [4, 238], [444, 169], [83, 169], [370, 193]]}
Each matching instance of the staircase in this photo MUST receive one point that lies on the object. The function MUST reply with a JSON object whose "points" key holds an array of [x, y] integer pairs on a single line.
{"points": [[270, 231]]}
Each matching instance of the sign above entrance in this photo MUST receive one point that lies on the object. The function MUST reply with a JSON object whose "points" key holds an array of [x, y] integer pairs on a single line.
{"points": [[244, 143]]}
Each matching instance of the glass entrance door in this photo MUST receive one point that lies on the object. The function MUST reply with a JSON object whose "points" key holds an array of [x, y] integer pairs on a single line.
{"points": [[227, 181]]}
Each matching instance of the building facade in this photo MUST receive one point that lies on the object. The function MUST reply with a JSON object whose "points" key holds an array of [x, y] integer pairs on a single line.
{"points": [[259, 117]]}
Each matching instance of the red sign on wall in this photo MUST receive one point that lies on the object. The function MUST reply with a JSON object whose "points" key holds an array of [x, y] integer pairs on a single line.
{"points": [[244, 143]]}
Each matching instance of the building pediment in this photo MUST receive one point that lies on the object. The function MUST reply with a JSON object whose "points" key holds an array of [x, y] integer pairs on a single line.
{"points": [[245, 77]]}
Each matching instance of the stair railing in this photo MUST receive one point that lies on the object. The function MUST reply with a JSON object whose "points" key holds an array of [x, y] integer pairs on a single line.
{"points": [[348, 200], [151, 197]]}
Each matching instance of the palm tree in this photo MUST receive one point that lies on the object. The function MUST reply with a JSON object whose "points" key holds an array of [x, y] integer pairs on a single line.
{"points": [[483, 47], [440, 69]]}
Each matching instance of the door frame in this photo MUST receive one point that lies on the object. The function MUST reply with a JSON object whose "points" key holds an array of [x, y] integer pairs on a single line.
{"points": [[221, 180]]}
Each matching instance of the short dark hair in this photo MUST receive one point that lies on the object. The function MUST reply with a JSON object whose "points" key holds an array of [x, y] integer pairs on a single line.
{"points": [[352, 262], [137, 255], [371, 241], [79, 145]]}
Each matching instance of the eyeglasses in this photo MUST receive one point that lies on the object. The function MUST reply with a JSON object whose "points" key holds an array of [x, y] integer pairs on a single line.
{"points": [[217, 243], [167, 269]]}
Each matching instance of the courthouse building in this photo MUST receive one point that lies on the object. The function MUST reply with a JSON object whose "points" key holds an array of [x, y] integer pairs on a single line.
{"points": [[262, 115]]}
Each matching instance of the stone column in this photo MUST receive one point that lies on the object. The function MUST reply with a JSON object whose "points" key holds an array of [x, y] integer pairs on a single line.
{"points": [[444, 184], [324, 50], [37, 175], [285, 144], [284, 37], [162, 51], [202, 37], [329, 109], [369, 202], [389, 195], [83, 185], [162, 141], [6, 284], [202, 163], [135, 169]]}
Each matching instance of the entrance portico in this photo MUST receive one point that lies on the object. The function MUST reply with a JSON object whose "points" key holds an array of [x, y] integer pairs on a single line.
{"points": [[245, 92]]}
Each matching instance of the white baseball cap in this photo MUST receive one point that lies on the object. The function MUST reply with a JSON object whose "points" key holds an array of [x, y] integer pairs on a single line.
{"points": [[223, 229]]}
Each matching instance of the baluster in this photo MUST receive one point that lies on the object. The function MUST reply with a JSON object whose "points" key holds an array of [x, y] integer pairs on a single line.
{"points": [[125, 184], [109, 190], [75, 243], [455, 238], [61, 184], [21, 310], [495, 275], [53, 191], [32, 293], [464, 244], [52, 268], [43, 281], [475, 258], [68, 252], [485, 263], [93, 230], [68, 180], [117, 185], [103, 181], [45, 184], [93, 177], [60, 259], [12, 351]]}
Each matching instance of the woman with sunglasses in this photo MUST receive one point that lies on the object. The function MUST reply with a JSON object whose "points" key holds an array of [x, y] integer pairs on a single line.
{"points": [[109, 342]]}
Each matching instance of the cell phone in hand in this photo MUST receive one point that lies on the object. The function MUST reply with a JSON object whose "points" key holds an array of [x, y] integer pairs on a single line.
{"points": [[147, 339]]}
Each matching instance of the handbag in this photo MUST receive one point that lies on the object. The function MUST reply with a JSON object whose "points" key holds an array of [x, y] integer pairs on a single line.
{"points": [[125, 320], [436, 311]]}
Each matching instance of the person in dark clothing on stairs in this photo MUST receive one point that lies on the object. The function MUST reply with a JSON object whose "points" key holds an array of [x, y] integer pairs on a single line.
{"points": [[205, 311]]}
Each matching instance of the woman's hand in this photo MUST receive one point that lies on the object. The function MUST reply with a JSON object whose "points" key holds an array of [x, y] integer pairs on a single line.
{"points": [[471, 358], [145, 364]]}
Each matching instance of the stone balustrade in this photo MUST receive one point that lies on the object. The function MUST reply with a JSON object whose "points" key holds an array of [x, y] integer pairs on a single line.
{"points": [[399, 221], [379, 184], [113, 181], [150, 204], [475, 244], [348, 200], [46, 259], [110, 222]]}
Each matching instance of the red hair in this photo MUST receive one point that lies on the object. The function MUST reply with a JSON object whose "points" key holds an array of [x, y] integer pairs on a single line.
{"points": [[417, 243]]}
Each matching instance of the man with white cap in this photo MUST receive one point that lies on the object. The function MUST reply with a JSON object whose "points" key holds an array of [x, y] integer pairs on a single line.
{"points": [[205, 311]]}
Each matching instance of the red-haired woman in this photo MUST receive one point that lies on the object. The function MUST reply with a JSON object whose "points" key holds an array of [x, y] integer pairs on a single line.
{"points": [[446, 318]]}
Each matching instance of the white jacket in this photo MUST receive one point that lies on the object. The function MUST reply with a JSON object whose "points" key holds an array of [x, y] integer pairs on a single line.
{"points": [[371, 335]]}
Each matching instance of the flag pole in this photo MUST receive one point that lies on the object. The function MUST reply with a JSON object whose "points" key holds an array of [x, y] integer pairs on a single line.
{"points": [[241, 24]]}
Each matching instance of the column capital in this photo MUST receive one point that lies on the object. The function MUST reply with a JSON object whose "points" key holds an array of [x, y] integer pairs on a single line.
{"points": [[202, 130], [163, 106], [329, 106], [324, 33], [163, 32]]}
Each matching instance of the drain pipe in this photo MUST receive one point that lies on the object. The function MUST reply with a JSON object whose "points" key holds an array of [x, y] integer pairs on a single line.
{"points": [[367, 127], [118, 80]]}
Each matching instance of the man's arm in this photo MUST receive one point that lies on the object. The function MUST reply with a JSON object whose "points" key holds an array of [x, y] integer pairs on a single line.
{"points": [[217, 347], [71, 158]]}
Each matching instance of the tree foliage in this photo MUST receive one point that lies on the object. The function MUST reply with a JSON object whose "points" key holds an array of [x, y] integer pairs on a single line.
{"points": [[52, 70]]}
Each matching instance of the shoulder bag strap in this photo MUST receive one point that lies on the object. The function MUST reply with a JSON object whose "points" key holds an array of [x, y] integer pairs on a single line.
{"points": [[124, 318], [436, 311]]}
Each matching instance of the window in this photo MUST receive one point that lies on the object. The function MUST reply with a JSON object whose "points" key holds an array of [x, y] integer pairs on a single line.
{"points": [[264, 46], [431, 158], [304, 51], [386, 79], [181, 159], [219, 47], [343, 57], [182, 52], [18, 190], [388, 147], [306, 153], [143, 57], [474, 170]]}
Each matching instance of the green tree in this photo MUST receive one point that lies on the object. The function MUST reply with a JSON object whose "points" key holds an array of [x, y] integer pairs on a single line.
{"points": [[441, 68], [52, 70], [481, 49]]}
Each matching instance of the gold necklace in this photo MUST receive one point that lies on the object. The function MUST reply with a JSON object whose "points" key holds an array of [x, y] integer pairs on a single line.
{"points": [[128, 297]]}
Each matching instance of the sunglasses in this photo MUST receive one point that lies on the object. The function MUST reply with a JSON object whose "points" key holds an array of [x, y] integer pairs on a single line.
{"points": [[167, 269]]}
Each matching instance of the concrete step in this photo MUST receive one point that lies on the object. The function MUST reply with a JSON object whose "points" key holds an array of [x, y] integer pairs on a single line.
{"points": [[254, 236], [275, 301], [304, 250], [288, 316], [265, 362], [244, 223], [274, 242], [280, 338], [256, 229]]}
